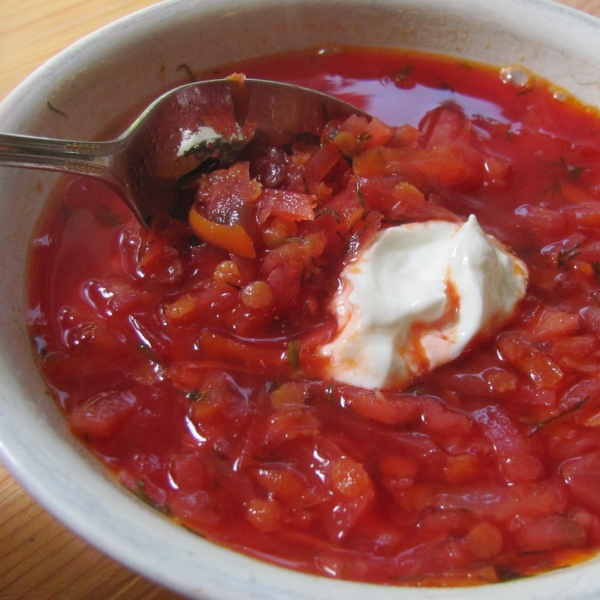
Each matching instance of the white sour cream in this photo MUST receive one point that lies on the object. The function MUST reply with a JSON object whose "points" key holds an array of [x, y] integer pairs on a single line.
{"points": [[416, 297]]}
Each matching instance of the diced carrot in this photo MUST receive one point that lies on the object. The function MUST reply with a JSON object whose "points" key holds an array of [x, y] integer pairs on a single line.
{"points": [[405, 136], [441, 165], [416, 497], [461, 468], [531, 361], [500, 380], [349, 478], [348, 144], [282, 480], [220, 347], [484, 541], [355, 124], [398, 466], [232, 238], [180, 308], [290, 424], [287, 395], [265, 515], [185, 375], [278, 232]]}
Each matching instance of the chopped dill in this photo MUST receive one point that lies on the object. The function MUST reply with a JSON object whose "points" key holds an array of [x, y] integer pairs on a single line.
{"points": [[141, 494], [188, 71], [403, 73], [525, 90], [56, 110], [293, 354], [553, 189], [330, 211], [595, 298], [560, 415], [573, 171], [596, 268], [567, 254], [359, 196]]}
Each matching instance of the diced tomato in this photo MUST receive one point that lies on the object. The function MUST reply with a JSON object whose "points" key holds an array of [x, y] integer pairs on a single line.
{"points": [[220, 347], [582, 475], [552, 324], [501, 503], [590, 319], [286, 205], [322, 163], [515, 459], [161, 262], [552, 531], [528, 359], [405, 136], [399, 200], [440, 165], [188, 471], [584, 214], [538, 218], [102, 415], [377, 134], [579, 393], [391, 409], [224, 193]]}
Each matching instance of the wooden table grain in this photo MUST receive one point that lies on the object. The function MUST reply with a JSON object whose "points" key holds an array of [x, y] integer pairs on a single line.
{"points": [[39, 558]]}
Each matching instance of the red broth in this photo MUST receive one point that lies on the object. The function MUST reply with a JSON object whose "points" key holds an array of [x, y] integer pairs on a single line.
{"points": [[189, 368]]}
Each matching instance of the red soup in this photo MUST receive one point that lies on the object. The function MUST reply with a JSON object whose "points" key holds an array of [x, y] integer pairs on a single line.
{"points": [[186, 356]]}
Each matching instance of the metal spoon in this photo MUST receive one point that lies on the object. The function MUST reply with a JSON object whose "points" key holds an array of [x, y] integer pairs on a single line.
{"points": [[184, 130]]}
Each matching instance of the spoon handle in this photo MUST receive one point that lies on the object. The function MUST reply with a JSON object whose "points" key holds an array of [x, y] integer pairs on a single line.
{"points": [[83, 158]]}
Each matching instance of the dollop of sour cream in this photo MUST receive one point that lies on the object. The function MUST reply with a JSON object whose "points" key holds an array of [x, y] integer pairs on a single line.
{"points": [[416, 297]]}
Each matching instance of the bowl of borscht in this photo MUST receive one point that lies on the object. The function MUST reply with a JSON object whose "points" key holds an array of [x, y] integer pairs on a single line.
{"points": [[360, 361]]}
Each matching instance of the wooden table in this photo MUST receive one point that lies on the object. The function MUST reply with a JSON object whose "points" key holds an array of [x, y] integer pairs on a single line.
{"points": [[39, 558]]}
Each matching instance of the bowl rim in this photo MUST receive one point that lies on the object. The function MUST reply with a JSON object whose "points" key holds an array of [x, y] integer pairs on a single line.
{"points": [[141, 552]]}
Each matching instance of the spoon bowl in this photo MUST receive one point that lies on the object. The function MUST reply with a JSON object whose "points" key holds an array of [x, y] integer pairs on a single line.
{"points": [[195, 127]]}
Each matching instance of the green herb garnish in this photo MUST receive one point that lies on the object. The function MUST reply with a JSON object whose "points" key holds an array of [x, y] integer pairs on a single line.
{"points": [[560, 415], [567, 254], [56, 110], [293, 354]]}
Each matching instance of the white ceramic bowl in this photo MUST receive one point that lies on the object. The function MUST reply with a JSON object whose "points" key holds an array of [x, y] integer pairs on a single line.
{"points": [[119, 69]]}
